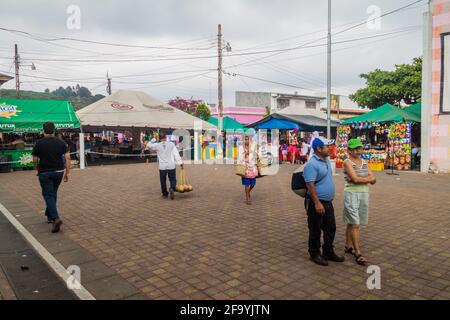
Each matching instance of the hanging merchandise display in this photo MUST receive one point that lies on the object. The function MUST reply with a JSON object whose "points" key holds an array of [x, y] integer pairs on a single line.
{"points": [[342, 143], [384, 144], [399, 149]]}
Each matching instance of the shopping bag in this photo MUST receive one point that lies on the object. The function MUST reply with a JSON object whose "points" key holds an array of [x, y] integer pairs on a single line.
{"points": [[240, 170], [263, 167]]}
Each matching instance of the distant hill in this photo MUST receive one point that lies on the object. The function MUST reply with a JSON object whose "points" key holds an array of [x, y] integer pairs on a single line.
{"points": [[79, 96]]}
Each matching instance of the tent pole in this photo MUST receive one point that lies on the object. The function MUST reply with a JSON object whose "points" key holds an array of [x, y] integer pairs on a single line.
{"points": [[82, 154]]}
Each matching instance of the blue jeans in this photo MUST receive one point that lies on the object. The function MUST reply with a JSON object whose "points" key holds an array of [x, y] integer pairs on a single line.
{"points": [[172, 177], [50, 182]]}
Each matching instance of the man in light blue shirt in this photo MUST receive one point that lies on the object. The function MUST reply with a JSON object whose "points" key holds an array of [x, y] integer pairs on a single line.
{"points": [[319, 203]]}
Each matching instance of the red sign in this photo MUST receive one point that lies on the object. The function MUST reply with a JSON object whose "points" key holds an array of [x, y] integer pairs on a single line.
{"points": [[121, 106]]}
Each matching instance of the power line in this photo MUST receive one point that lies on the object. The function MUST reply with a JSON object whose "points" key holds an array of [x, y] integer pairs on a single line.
{"points": [[376, 18], [52, 39], [319, 53], [212, 56], [316, 46], [347, 29], [264, 80], [270, 43]]}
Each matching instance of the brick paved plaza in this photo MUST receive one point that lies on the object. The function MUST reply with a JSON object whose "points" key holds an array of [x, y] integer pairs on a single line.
{"points": [[208, 244]]}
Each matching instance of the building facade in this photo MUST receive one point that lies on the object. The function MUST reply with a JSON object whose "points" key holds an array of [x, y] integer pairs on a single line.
{"points": [[279, 101], [435, 149], [341, 106], [244, 115]]}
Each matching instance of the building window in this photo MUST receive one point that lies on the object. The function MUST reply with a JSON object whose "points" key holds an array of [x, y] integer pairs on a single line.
{"points": [[310, 104], [282, 103], [445, 71]]}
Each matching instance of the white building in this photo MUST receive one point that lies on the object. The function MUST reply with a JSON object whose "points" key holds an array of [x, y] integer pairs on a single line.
{"points": [[341, 106], [277, 101]]}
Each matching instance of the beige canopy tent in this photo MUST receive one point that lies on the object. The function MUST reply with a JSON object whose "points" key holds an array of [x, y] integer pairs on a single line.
{"points": [[4, 78], [136, 110]]}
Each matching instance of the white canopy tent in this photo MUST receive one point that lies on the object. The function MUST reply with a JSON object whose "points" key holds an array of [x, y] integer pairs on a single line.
{"points": [[135, 109], [126, 108]]}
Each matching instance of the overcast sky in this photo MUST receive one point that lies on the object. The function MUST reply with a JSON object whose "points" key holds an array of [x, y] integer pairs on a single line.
{"points": [[248, 26]]}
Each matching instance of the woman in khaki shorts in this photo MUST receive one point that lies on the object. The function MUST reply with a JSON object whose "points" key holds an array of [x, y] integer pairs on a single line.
{"points": [[356, 198]]}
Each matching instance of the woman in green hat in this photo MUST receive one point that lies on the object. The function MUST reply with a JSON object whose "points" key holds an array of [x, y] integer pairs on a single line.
{"points": [[356, 197]]}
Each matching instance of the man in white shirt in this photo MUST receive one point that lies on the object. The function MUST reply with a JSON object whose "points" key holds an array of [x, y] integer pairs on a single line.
{"points": [[168, 156]]}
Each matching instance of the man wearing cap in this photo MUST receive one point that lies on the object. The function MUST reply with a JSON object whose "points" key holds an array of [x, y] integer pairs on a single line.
{"points": [[319, 203]]}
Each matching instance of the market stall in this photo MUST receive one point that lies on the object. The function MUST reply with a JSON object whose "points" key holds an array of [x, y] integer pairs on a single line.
{"points": [[387, 133], [137, 113], [229, 126], [21, 124], [294, 128]]}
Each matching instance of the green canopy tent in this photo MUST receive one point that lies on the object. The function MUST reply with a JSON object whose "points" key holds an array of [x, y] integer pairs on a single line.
{"points": [[415, 108], [227, 123], [17, 115], [385, 113], [28, 116]]}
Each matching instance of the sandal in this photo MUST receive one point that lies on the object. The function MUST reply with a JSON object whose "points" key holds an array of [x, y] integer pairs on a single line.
{"points": [[360, 260], [349, 250]]}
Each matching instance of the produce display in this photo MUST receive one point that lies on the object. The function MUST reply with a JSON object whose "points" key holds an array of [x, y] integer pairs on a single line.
{"points": [[183, 183]]}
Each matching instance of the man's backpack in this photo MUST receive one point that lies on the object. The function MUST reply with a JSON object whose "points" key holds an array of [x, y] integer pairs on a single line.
{"points": [[298, 184]]}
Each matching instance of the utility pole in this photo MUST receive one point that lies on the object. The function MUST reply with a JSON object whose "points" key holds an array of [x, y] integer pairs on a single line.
{"points": [[329, 73], [108, 87], [219, 77], [16, 63]]}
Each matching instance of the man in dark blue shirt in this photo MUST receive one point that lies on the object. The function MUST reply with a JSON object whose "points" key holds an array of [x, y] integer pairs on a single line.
{"points": [[319, 203]]}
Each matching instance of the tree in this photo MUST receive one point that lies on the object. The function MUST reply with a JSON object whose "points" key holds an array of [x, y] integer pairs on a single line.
{"points": [[70, 92], [186, 105], [47, 90], [202, 111], [403, 84], [84, 92]]}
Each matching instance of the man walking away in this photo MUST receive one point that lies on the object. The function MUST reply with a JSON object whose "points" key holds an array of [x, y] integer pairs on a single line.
{"points": [[167, 157], [319, 203], [49, 154]]}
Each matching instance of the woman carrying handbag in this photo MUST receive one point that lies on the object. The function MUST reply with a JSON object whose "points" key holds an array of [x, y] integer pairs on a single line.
{"points": [[248, 158]]}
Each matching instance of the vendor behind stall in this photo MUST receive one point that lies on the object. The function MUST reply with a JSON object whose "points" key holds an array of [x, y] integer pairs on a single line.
{"points": [[18, 143]]}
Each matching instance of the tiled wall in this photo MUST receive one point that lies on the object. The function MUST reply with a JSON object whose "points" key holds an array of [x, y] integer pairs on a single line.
{"points": [[440, 123]]}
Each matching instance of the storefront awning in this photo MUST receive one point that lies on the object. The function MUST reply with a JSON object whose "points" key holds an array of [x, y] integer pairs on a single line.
{"points": [[280, 124], [307, 123]]}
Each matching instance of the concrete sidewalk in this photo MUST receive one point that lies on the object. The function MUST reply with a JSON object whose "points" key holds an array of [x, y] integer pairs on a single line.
{"points": [[23, 275]]}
